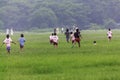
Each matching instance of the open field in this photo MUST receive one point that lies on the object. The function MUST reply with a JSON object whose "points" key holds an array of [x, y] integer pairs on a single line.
{"points": [[41, 61]]}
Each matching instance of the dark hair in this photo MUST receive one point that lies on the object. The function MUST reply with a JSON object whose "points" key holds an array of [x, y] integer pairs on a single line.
{"points": [[7, 36], [71, 32], [22, 35], [109, 29], [67, 30], [94, 41], [77, 30]]}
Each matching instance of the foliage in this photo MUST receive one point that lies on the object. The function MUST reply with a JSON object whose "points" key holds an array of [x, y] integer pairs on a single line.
{"points": [[25, 14]]}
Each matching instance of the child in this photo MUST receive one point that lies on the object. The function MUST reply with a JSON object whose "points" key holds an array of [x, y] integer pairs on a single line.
{"points": [[67, 33], [109, 34], [94, 42], [55, 40], [77, 37], [8, 42], [51, 38], [72, 38], [21, 42]]}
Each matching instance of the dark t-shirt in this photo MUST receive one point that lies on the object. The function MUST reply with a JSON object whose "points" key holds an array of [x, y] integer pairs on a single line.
{"points": [[67, 34], [77, 34]]}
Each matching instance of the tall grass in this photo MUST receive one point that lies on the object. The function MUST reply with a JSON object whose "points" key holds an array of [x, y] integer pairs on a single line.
{"points": [[41, 61]]}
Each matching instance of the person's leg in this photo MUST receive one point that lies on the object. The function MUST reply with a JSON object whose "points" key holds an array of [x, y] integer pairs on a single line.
{"points": [[79, 43], [67, 38], [109, 38], [8, 50]]}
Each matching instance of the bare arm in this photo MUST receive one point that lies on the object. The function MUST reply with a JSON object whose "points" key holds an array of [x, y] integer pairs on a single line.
{"points": [[13, 42]]}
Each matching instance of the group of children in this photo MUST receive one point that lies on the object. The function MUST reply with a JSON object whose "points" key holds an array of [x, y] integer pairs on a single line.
{"points": [[74, 37], [8, 42], [109, 34], [54, 39]]}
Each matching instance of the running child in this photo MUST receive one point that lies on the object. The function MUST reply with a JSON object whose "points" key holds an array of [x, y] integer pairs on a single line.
{"points": [[8, 42], [21, 41], [77, 36], [109, 34], [55, 40]]}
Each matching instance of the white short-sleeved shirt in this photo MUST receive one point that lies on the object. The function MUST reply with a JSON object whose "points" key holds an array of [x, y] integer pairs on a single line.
{"points": [[72, 37], [51, 37], [55, 39], [109, 33], [8, 41]]}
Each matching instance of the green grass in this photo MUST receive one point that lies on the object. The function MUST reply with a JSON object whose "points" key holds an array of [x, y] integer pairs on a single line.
{"points": [[41, 61]]}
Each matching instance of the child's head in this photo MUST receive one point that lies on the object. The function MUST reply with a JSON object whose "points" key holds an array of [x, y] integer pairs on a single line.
{"points": [[22, 35], [77, 30], [71, 32], [109, 29], [67, 30], [7, 36]]}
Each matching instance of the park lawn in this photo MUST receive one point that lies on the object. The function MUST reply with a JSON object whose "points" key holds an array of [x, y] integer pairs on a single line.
{"points": [[41, 61]]}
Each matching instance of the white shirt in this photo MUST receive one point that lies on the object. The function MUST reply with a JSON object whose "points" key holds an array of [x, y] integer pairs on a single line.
{"points": [[8, 41], [55, 39], [72, 37], [109, 33], [51, 37]]}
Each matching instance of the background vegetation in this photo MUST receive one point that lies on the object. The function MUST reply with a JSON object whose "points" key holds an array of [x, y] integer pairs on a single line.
{"points": [[37, 14]]}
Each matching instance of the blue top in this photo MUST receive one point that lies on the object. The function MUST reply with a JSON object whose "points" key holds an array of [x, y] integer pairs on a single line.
{"points": [[22, 41]]}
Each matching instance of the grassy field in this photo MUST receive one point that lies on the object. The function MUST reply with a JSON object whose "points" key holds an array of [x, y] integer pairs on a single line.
{"points": [[41, 61]]}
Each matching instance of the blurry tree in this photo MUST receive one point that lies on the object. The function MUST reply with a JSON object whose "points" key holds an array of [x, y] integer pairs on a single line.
{"points": [[28, 14]]}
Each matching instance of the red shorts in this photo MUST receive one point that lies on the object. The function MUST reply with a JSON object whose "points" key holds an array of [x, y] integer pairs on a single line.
{"points": [[77, 39]]}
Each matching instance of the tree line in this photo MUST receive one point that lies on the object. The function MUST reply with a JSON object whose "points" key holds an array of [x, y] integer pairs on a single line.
{"points": [[37, 14]]}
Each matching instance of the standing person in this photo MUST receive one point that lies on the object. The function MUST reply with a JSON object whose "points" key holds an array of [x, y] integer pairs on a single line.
{"points": [[62, 30], [51, 38], [11, 31], [67, 33], [21, 41], [77, 36], [109, 34], [55, 40], [8, 42], [7, 31]]}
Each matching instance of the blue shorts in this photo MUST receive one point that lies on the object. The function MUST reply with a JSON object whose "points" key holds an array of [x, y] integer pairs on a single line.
{"points": [[8, 47], [21, 46]]}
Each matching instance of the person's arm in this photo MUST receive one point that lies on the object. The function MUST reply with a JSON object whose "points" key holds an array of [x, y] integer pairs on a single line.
{"points": [[24, 40], [13, 42]]}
